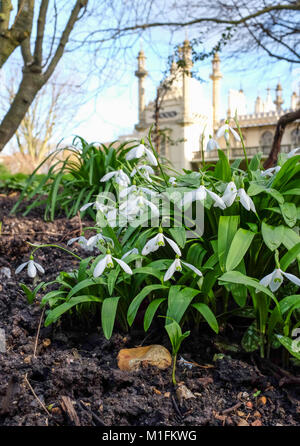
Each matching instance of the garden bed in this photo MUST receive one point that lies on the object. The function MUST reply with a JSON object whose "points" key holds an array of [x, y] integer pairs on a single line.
{"points": [[237, 389]]}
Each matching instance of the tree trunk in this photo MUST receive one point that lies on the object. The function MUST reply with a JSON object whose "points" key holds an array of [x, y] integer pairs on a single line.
{"points": [[286, 119], [29, 87]]}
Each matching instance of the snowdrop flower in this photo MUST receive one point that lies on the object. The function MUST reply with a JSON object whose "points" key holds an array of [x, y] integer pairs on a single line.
{"points": [[138, 262], [107, 262], [275, 279], [93, 241], [136, 207], [293, 152], [135, 189], [231, 193], [99, 206], [172, 181], [120, 177], [82, 241], [224, 131], [144, 170], [139, 152], [212, 144], [176, 266], [32, 268], [200, 194], [271, 171], [156, 242]]}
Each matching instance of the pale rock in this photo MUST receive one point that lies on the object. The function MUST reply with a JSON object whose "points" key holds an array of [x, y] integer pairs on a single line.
{"points": [[130, 359]]}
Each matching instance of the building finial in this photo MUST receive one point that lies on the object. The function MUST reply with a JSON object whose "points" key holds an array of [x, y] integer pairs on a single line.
{"points": [[216, 76]]}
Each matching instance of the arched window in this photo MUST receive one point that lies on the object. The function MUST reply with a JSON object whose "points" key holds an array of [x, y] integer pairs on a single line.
{"points": [[266, 139], [295, 137]]}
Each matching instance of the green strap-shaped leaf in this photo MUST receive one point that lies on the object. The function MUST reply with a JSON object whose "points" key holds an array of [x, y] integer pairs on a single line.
{"points": [[272, 235], [53, 315], [226, 231], [178, 302], [238, 248], [150, 312], [135, 304], [108, 315], [208, 315], [290, 256]]}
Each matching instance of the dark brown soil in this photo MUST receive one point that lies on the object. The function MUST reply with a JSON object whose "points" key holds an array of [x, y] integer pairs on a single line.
{"points": [[82, 365]]}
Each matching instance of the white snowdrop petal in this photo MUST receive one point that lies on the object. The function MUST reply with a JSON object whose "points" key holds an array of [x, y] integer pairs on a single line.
{"points": [[39, 268], [31, 269], [292, 278], [108, 176], [171, 270], [201, 193], [85, 206], [20, 267], [265, 281], [123, 265], [150, 156], [100, 267], [193, 268], [218, 200], [235, 134], [276, 281], [244, 199], [221, 131], [173, 245]]}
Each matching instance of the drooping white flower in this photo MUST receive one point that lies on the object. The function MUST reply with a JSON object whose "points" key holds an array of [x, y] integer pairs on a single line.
{"points": [[107, 262], [172, 181], [82, 241], [231, 193], [293, 152], [271, 171], [32, 268], [212, 144], [139, 152], [224, 131], [176, 266], [200, 194], [275, 279], [138, 262], [120, 177], [144, 170], [98, 206], [136, 189], [156, 242], [137, 206], [93, 241], [245, 200]]}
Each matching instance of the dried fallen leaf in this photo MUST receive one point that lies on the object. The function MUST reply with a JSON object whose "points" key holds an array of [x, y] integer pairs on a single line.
{"points": [[263, 400], [243, 423], [167, 395], [46, 342], [256, 423], [249, 405], [158, 392]]}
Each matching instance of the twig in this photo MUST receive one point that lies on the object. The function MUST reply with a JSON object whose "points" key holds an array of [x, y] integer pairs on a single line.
{"points": [[231, 409], [35, 395], [80, 223], [38, 333]]}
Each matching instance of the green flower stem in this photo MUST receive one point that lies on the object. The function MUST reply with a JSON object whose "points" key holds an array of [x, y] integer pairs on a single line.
{"points": [[174, 370], [52, 246]]}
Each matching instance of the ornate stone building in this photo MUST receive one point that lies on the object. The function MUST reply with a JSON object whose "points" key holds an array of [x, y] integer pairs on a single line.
{"points": [[188, 115]]}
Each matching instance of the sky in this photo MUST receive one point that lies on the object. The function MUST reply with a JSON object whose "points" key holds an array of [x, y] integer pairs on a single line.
{"points": [[114, 111]]}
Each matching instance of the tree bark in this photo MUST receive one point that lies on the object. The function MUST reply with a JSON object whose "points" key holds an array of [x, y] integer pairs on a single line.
{"points": [[286, 119], [28, 88], [11, 38], [33, 78]]}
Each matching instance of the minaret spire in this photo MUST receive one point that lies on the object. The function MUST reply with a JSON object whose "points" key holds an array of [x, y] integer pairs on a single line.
{"points": [[141, 73], [185, 52], [278, 101], [216, 76]]}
